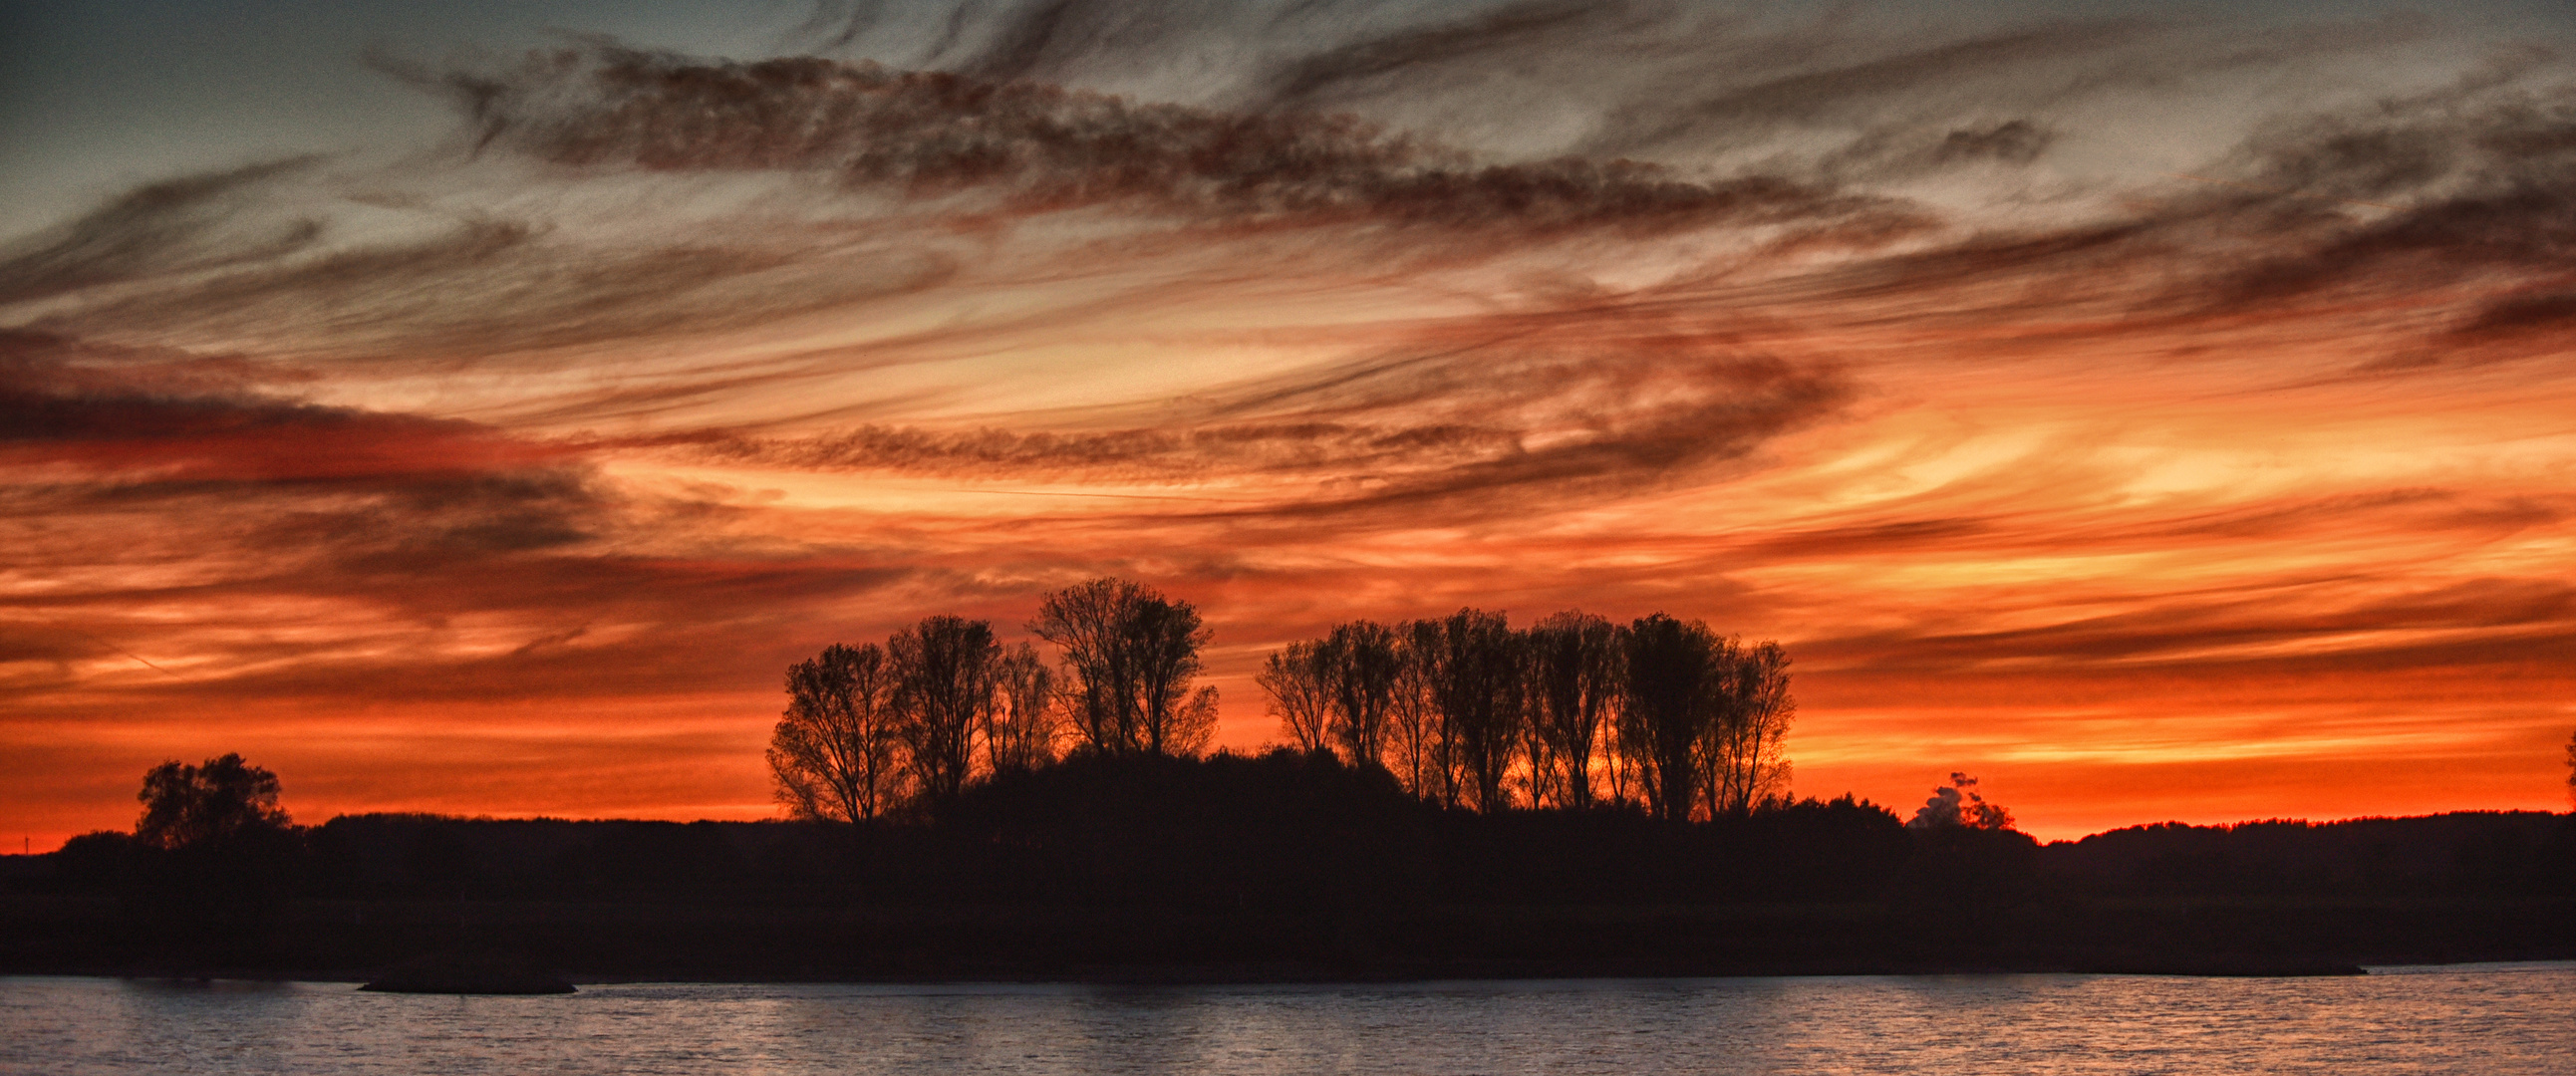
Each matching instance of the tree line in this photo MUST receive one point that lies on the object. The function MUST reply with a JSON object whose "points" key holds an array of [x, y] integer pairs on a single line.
{"points": [[1572, 712], [1466, 711], [1249, 863], [872, 727]]}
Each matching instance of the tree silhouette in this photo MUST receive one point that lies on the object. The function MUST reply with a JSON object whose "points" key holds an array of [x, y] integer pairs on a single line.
{"points": [[1665, 703], [949, 667], [1132, 655], [1295, 678], [1086, 623], [202, 806], [837, 754], [1435, 661], [1177, 718], [1476, 678], [1622, 750], [2571, 769], [1021, 726], [1362, 665], [1464, 710], [1418, 740], [1744, 764], [1574, 672]]}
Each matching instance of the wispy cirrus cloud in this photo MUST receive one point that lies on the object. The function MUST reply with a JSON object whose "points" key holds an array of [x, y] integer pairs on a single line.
{"points": [[2133, 366]]}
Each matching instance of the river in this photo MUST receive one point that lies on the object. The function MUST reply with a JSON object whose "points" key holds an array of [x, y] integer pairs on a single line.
{"points": [[2489, 1020]]}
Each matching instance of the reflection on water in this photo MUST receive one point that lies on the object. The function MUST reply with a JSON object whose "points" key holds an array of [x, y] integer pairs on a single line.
{"points": [[2492, 1019]]}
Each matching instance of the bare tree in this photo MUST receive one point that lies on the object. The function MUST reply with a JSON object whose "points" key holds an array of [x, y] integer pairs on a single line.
{"points": [[1087, 624], [1361, 667], [1665, 705], [1618, 755], [838, 753], [1020, 728], [1476, 683], [1300, 697], [1414, 726], [1745, 764], [190, 806], [1132, 656], [1622, 751], [949, 666], [1464, 710], [1574, 665], [1177, 717], [1192, 727], [2571, 769]]}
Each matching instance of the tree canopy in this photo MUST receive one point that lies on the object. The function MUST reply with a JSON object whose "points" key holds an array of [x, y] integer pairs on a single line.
{"points": [[837, 754], [1466, 710], [1131, 662], [1662, 715], [944, 703], [188, 806]]}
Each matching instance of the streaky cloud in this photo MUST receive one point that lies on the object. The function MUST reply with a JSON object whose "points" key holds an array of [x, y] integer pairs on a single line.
{"points": [[2197, 377], [1044, 148]]}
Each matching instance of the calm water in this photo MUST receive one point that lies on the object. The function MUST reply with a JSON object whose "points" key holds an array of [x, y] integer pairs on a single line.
{"points": [[2503, 1019]]}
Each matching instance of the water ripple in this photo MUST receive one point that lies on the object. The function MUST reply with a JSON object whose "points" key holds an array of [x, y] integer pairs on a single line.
{"points": [[2491, 1020]]}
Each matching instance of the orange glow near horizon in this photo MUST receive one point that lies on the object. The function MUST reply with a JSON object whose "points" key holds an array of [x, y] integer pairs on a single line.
{"points": [[506, 480]]}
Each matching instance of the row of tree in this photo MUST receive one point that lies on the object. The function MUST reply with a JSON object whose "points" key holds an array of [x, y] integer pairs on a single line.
{"points": [[1570, 712], [1466, 711], [873, 726]]}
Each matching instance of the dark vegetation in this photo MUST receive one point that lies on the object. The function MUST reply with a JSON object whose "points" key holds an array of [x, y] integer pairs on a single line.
{"points": [[1660, 716], [1462, 799], [1289, 865]]}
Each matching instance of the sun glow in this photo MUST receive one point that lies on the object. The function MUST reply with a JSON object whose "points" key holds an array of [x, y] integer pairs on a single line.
{"points": [[2190, 438]]}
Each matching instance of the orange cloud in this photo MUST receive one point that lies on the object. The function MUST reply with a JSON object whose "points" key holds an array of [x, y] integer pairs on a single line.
{"points": [[509, 481]]}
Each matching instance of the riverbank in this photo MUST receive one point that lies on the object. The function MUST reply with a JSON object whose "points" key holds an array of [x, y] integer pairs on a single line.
{"points": [[1293, 869], [344, 940]]}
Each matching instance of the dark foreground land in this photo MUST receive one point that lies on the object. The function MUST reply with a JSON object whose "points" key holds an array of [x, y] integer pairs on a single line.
{"points": [[1291, 867]]}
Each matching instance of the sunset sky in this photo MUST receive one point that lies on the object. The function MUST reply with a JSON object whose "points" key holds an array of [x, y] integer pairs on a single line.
{"points": [[2157, 412]]}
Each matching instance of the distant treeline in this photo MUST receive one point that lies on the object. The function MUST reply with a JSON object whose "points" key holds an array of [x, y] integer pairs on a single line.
{"points": [[1573, 712], [1460, 797], [1280, 831], [1289, 828], [1290, 864]]}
